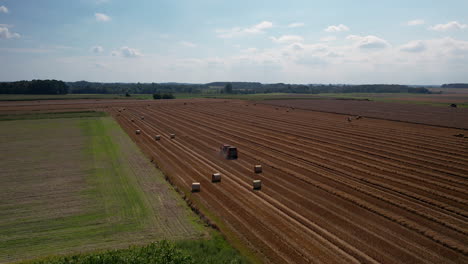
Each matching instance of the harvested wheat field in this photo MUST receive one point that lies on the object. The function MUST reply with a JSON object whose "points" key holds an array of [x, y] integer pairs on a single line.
{"points": [[332, 190], [420, 114]]}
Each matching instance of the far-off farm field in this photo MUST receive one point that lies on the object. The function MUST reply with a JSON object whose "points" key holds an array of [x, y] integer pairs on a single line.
{"points": [[368, 182]]}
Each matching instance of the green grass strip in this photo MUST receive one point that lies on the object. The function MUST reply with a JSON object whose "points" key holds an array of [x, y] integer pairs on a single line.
{"points": [[51, 115], [213, 251]]}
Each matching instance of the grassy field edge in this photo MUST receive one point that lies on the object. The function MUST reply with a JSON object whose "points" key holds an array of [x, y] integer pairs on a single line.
{"points": [[51, 115]]}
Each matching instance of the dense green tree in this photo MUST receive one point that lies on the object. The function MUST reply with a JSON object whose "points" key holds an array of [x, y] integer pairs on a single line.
{"points": [[34, 87], [228, 88]]}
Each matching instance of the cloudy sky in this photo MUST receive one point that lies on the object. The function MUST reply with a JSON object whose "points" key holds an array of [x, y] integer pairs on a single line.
{"points": [[346, 41]]}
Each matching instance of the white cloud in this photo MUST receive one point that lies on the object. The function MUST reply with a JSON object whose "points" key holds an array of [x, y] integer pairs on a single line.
{"points": [[97, 49], [328, 38], [102, 17], [413, 46], [296, 46], [415, 22], [237, 31], [259, 27], [338, 28], [449, 26], [368, 42], [249, 50], [129, 52], [3, 9], [6, 34], [288, 39], [296, 25], [126, 52], [443, 60], [188, 44]]}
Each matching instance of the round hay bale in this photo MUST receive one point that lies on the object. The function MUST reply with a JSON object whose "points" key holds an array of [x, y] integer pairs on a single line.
{"points": [[196, 187], [258, 168], [257, 184], [216, 177]]}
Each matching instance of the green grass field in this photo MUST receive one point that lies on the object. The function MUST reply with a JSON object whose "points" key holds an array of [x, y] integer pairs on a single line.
{"points": [[51, 115], [80, 184]]}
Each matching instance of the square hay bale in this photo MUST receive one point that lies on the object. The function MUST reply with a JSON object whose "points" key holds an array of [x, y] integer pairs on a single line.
{"points": [[196, 187], [258, 168], [172, 136], [142, 118], [138, 131], [157, 137], [216, 177], [257, 184]]}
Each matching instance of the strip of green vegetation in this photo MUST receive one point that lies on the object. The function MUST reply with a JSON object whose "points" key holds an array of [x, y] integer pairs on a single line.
{"points": [[213, 251], [106, 208], [112, 204], [51, 115], [380, 97], [160, 252], [34, 97], [121, 200]]}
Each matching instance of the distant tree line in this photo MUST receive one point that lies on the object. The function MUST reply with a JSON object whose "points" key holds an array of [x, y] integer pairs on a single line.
{"points": [[83, 87], [169, 95], [455, 85], [161, 89], [249, 88], [34, 87], [236, 88]]}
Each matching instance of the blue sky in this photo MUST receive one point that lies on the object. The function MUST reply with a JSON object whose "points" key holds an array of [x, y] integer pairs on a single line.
{"points": [[366, 41]]}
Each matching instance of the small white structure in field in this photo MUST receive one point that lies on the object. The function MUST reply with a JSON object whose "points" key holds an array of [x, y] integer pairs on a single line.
{"points": [[258, 168], [172, 135], [157, 137], [257, 184], [195, 187], [138, 131], [216, 177]]}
